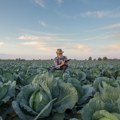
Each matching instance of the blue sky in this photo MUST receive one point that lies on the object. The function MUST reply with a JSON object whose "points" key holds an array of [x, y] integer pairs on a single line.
{"points": [[33, 29]]}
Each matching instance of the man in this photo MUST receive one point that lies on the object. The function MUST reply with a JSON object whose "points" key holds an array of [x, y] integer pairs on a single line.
{"points": [[60, 62]]}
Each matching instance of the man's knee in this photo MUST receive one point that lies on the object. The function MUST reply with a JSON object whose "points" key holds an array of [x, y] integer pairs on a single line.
{"points": [[64, 67]]}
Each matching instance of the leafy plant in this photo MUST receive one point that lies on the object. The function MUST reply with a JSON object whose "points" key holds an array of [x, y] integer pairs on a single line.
{"points": [[45, 97], [7, 90], [104, 106], [102, 82]]}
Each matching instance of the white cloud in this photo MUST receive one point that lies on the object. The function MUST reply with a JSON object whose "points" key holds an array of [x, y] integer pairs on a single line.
{"points": [[41, 43], [98, 14], [102, 14], [36, 45], [42, 23], [41, 3], [1, 43], [83, 48], [117, 25], [31, 43], [32, 37], [60, 1]]}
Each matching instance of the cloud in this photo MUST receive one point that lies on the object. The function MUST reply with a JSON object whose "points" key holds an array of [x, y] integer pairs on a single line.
{"points": [[33, 43], [98, 14], [116, 34], [60, 1], [36, 45], [2, 43], [116, 25], [77, 46], [42, 23], [32, 37], [102, 14], [114, 47], [47, 33], [41, 3], [83, 48], [36, 42], [115, 13], [51, 43]]}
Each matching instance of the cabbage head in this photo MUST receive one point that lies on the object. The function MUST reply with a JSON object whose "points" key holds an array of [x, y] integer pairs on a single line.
{"points": [[45, 99], [104, 106], [7, 91]]}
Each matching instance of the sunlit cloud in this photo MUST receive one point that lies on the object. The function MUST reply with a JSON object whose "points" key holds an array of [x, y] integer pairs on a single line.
{"points": [[114, 47], [48, 44], [83, 48], [41, 3], [76, 47], [2, 43], [32, 37], [39, 44], [33, 43]]}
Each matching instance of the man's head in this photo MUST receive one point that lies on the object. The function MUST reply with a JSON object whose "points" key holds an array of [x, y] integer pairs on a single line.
{"points": [[59, 52]]}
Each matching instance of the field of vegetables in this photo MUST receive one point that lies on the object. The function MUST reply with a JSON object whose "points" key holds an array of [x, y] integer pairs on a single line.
{"points": [[87, 90]]}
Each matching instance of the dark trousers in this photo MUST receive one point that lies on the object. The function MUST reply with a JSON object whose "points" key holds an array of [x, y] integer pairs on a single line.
{"points": [[64, 67]]}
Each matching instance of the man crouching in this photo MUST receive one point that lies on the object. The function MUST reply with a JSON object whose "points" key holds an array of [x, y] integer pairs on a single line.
{"points": [[60, 62]]}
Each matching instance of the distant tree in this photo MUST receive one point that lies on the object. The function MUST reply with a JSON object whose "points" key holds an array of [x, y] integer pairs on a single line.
{"points": [[90, 58], [99, 58], [105, 58]]}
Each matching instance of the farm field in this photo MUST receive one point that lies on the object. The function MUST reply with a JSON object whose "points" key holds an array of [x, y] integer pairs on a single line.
{"points": [[87, 90]]}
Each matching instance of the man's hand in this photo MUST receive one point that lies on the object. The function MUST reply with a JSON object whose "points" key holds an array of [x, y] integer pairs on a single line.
{"points": [[62, 63]]}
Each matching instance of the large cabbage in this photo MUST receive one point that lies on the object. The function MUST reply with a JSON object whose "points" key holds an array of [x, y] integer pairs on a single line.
{"points": [[33, 103], [45, 98], [85, 92], [7, 90], [108, 100], [102, 82]]}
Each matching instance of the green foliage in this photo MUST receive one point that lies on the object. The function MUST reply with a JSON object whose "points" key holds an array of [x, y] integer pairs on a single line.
{"points": [[87, 90], [7, 91], [101, 82], [40, 99], [104, 105], [104, 115]]}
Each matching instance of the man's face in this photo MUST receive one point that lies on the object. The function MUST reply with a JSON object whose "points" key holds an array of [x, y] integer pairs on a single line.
{"points": [[59, 54]]}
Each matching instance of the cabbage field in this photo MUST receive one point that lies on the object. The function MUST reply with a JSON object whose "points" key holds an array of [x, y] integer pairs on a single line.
{"points": [[87, 90]]}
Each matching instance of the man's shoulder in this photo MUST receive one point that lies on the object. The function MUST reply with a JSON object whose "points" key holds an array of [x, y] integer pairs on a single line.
{"points": [[64, 57], [55, 58]]}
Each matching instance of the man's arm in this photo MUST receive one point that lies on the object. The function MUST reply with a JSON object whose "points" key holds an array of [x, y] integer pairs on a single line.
{"points": [[55, 63], [58, 66], [67, 60]]}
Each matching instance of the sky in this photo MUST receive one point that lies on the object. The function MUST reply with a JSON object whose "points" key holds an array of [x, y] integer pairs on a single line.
{"points": [[34, 29]]}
